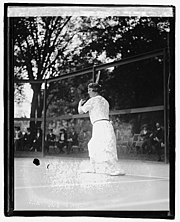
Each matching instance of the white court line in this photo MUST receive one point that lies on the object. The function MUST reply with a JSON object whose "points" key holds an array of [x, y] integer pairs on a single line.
{"points": [[118, 205], [148, 176], [140, 203], [86, 184], [25, 166]]}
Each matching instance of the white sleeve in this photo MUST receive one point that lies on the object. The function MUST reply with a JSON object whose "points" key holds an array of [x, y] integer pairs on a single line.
{"points": [[87, 106]]}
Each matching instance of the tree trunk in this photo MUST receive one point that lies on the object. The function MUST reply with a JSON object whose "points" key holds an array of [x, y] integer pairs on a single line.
{"points": [[36, 106]]}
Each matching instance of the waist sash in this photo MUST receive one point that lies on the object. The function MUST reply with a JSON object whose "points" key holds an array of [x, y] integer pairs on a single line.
{"points": [[100, 120]]}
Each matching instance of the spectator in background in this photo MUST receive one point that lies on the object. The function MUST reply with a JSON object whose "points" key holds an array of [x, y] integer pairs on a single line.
{"points": [[18, 139], [37, 142], [158, 140], [51, 139], [72, 140], [82, 139], [28, 139], [145, 137], [62, 142]]}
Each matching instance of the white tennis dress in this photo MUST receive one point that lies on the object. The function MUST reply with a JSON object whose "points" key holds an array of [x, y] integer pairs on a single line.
{"points": [[102, 145]]}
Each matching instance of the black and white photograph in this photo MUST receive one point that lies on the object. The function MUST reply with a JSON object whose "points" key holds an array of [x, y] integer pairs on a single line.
{"points": [[90, 110]]}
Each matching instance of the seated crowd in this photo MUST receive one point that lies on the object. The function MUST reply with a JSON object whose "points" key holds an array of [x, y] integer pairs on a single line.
{"points": [[152, 141], [28, 141], [64, 142]]}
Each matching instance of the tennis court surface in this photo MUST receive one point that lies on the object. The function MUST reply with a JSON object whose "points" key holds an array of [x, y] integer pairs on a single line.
{"points": [[57, 184]]}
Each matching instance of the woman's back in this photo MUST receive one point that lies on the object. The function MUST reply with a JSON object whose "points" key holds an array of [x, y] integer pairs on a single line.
{"points": [[100, 108]]}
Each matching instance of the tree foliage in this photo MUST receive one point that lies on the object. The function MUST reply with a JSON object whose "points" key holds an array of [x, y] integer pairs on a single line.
{"points": [[108, 39], [41, 45], [46, 47]]}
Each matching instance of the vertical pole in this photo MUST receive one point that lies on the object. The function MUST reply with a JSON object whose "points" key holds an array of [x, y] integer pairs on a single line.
{"points": [[44, 119], [8, 118], [93, 74], [165, 109]]}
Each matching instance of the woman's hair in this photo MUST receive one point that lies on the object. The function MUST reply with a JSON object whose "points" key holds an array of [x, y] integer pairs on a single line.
{"points": [[62, 130], [95, 87]]}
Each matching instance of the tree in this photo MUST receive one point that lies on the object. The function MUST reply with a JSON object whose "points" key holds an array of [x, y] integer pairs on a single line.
{"points": [[121, 37], [41, 45], [50, 46], [107, 39], [113, 38]]}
